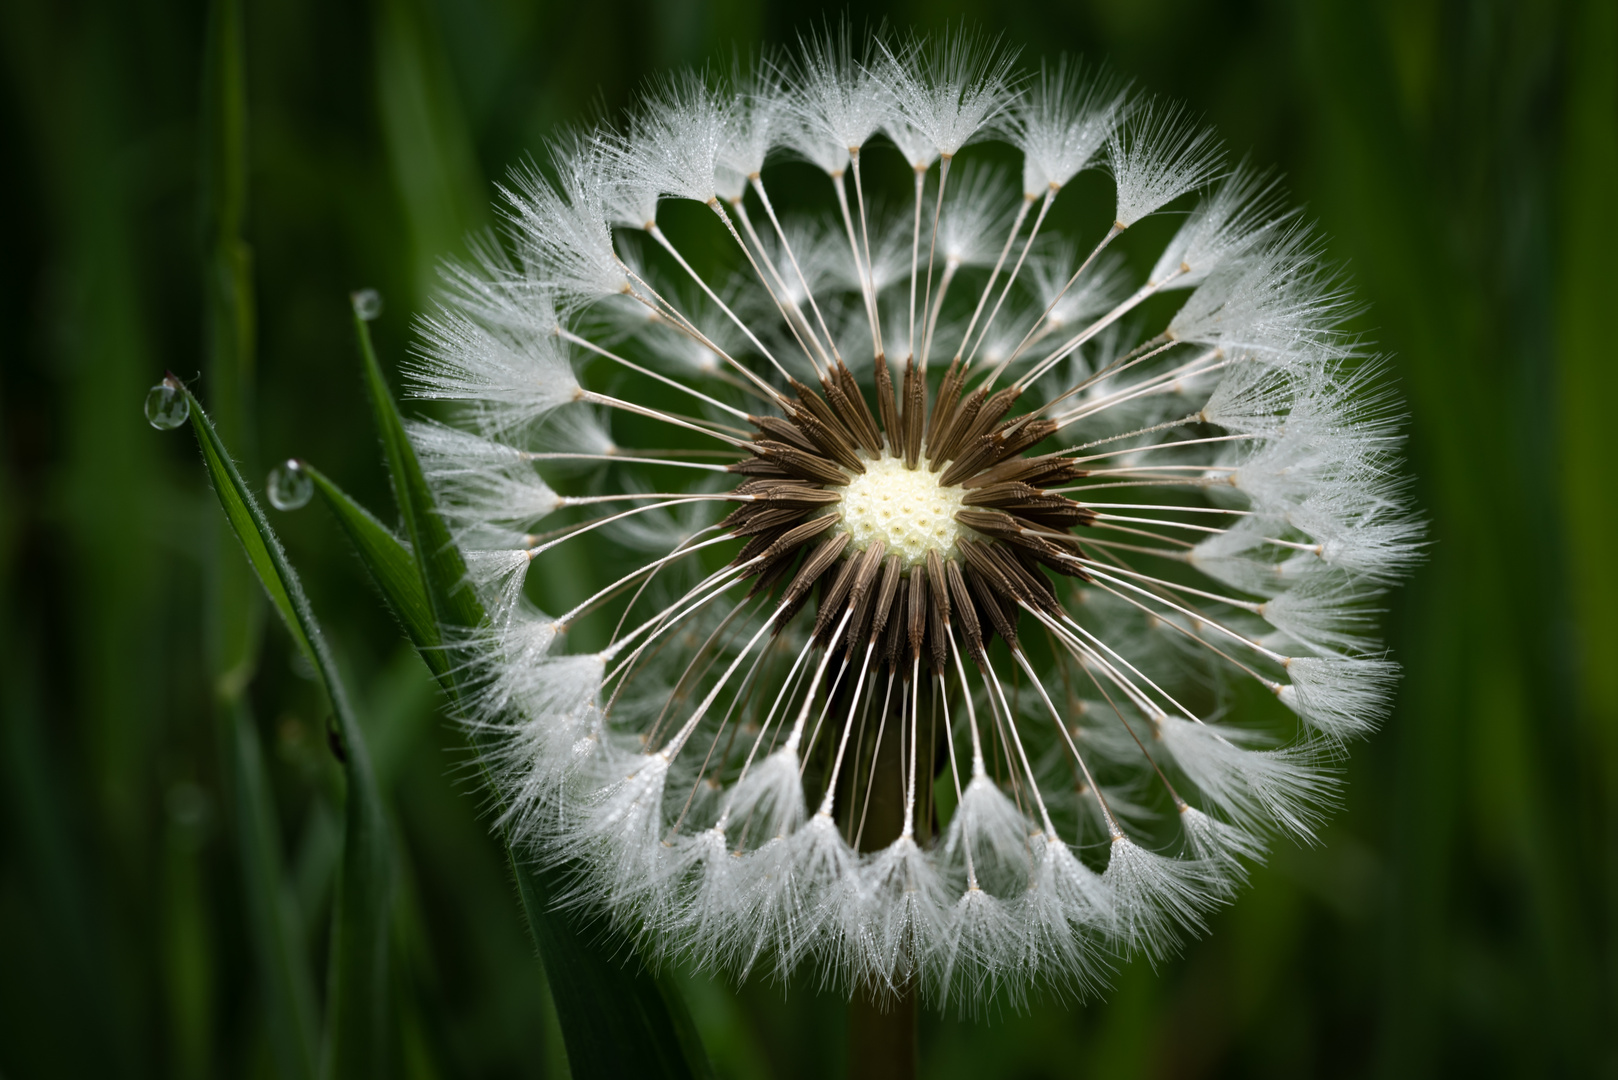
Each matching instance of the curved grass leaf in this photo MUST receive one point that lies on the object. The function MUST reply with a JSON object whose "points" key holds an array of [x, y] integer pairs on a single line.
{"points": [[583, 992], [392, 567], [443, 572], [616, 1018], [358, 975]]}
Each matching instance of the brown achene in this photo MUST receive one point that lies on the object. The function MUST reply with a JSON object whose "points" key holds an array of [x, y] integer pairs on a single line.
{"points": [[1015, 529]]}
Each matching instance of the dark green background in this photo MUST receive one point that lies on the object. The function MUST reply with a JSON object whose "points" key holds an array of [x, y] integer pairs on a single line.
{"points": [[1458, 916]]}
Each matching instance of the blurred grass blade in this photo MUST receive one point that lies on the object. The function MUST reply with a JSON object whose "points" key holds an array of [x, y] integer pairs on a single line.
{"points": [[1588, 384], [358, 977], [617, 1020], [392, 567], [357, 991], [289, 1006], [615, 1017], [431, 149], [227, 280], [237, 608]]}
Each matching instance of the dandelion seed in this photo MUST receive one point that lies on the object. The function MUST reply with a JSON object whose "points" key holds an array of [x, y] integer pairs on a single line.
{"points": [[912, 676], [1063, 120]]}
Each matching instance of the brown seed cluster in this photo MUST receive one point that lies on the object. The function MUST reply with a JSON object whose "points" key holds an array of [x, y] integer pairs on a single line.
{"points": [[1015, 529]]}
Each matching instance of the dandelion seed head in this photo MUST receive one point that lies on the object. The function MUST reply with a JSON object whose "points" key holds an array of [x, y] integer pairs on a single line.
{"points": [[914, 549]]}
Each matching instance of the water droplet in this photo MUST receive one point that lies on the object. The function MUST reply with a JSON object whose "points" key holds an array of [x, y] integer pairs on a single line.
{"points": [[367, 303], [167, 407], [289, 487]]}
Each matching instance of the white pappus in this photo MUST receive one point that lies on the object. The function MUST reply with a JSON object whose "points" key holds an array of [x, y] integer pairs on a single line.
{"points": [[923, 549]]}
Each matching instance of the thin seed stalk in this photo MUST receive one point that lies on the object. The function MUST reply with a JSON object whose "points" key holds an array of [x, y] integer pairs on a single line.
{"points": [[882, 1041]]}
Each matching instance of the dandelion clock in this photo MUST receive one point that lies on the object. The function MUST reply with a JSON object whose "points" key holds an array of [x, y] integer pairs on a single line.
{"points": [[971, 597]]}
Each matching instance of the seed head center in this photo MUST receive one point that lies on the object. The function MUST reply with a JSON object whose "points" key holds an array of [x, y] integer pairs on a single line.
{"points": [[907, 509]]}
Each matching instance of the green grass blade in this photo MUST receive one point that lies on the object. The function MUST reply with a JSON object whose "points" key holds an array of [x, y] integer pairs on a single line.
{"points": [[258, 540], [431, 148], [615, 1016], [227, 281], [289, 1005], [1588, 382], [358, 977], [357, 991], [392, 567], [443, 572]]}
